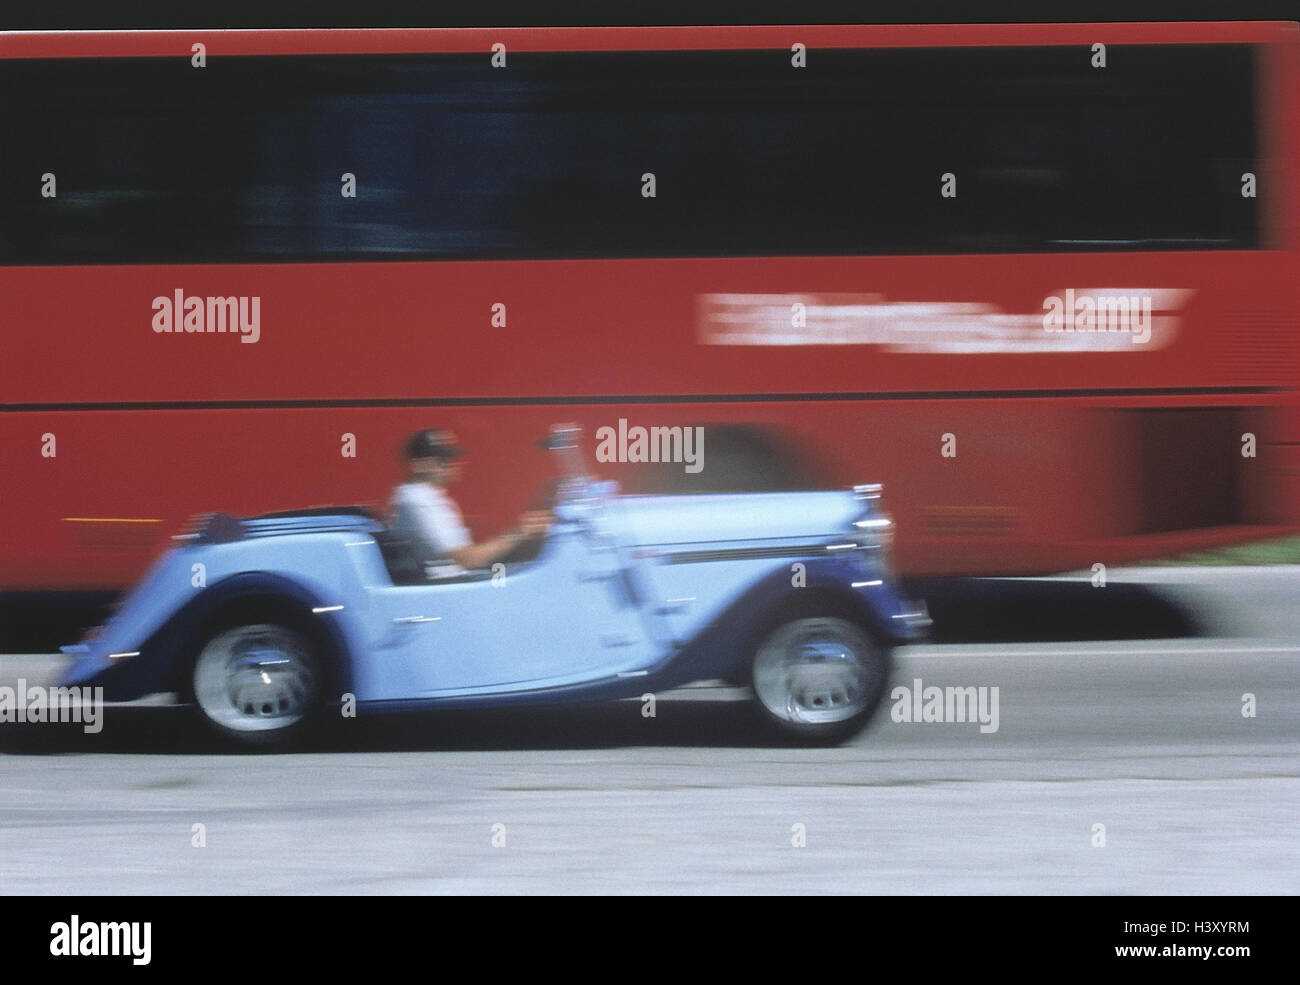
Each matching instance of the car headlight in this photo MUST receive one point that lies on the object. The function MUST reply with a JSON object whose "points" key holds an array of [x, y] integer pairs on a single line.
{"points": [[874, 527]]}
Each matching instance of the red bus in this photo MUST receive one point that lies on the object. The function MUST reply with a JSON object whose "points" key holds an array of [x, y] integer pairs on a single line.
{"points": [[1040, 281]]}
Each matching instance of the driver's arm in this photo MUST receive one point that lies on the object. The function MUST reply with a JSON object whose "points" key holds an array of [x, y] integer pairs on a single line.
{"points": [[482, 555]]}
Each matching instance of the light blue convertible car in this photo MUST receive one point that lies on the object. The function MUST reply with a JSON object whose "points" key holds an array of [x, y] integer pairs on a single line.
{"points": [[270, 623]]}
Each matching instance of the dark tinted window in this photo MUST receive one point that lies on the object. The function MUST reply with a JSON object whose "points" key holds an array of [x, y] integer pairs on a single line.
{"points": [[158, 161]]}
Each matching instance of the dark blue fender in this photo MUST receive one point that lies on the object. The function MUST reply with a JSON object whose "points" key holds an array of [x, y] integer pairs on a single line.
{"points": [[164, 660], [726, 646]]}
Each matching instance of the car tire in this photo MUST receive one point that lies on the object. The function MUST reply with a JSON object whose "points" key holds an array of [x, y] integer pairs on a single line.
{"points": [[817, 680], [259, 684]]}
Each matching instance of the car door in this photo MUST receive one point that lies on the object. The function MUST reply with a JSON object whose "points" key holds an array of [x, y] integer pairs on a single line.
{"points": [[566, 618]]}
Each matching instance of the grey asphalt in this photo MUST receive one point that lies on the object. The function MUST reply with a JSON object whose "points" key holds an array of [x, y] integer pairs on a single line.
{"points": [[1146, 738]]}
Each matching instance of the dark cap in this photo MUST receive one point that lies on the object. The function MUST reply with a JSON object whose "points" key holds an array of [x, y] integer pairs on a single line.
{"points": [[435, 443]]}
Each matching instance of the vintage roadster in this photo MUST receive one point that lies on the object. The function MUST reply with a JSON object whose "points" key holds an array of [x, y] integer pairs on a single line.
{"points": [[268, 624]]}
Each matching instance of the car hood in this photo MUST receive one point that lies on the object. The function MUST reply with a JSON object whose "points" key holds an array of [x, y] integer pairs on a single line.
{"points": [[686, 519]]}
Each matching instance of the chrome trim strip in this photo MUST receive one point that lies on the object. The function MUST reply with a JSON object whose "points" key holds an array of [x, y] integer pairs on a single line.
{"points": [[754, 553]]}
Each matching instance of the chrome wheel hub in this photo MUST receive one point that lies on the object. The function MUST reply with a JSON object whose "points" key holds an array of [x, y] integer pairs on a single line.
{"points": [[255, 678], [815, 671]]}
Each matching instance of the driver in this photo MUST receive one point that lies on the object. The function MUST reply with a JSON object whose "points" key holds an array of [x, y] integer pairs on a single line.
{"points": [[427, 517]]}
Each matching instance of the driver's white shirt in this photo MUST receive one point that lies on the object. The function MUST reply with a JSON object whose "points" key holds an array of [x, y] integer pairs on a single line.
{"points": [[430, 519]]}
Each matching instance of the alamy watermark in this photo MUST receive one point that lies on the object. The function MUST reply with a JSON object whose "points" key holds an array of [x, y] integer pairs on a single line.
{"points": [[53, 705], [181, 314], [920, 704], [102, 939], [655, 444], [1094, 312]]}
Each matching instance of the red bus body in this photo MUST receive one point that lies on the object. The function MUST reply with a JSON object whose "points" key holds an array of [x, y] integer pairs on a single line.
{"points": [[1062, 459]]}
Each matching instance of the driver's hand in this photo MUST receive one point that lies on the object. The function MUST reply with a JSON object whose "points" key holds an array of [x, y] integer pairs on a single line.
{"points": [[534, 523]]}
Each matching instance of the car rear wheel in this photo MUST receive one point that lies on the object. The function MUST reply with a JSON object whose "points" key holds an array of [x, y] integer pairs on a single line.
{"points": [[258, 684], [818, 679]]}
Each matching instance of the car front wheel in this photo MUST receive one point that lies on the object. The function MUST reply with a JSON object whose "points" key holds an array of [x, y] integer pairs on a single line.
{"points": [[258, 684], [819, 679]]}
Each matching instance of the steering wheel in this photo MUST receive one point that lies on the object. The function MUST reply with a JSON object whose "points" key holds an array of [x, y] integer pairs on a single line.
{"points": [[544, 501]]}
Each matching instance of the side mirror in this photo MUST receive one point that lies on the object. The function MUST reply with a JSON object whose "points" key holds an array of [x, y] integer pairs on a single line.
{"points": [[561, 437], [565, 439]]}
